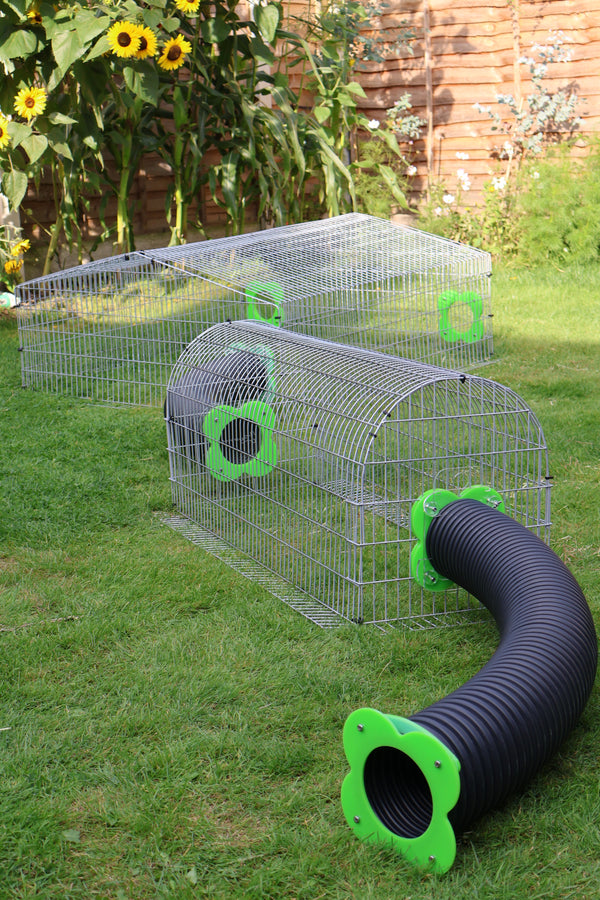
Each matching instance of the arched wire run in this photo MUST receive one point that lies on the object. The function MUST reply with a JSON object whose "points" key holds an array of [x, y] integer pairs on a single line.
{"points": [[305, 456]]}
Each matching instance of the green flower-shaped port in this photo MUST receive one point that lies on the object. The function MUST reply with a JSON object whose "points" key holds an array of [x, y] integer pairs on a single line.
{"points": [[423, 511], [403, 783], [240, 440], [262, 296], [468, 299]]}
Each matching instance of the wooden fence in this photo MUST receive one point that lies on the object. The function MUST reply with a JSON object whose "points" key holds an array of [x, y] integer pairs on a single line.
{"points": [[467, 52], [462, 53]]}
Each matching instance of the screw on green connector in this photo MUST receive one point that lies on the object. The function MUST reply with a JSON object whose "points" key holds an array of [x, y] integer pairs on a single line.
{"points": [[403, 783], [424, 510], [485, 495]]}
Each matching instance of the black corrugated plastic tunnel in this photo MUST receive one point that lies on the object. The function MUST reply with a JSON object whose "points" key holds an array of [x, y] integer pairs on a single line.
{"points": [[415, 782]]}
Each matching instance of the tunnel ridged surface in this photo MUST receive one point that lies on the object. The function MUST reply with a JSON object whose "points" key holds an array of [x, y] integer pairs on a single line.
{"points": [[507, 720]]}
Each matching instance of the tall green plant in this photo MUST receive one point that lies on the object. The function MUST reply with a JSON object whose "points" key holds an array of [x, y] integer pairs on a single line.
{"points": [[90, 87], [338, 40], [44, 53]]}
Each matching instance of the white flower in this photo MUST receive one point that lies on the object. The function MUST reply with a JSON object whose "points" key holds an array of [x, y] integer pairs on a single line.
{"points": [[374, 124], [448, 198], [535, 175], [464, 182], [499, 183], [508, 148], [462, 155], [412, 170], [437, 211]]}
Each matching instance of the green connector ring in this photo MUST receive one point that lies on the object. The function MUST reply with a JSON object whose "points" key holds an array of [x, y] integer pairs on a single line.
{"points": [[446, 301], [424, 781], [260, 290], [255, 415], [424, 510]]}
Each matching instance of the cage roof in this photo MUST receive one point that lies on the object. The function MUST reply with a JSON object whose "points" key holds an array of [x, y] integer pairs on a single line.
{"points": [[314, 257], [351, 390]]}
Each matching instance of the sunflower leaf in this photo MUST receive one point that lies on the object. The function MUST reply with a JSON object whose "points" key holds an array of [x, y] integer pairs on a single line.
{"points": [[88, 25], [67, 48], [18, 6], [18, 45], [267, 19], [18, 131], [58, 118], [34, 146], [143, 82], [14, 187], [98, 49], [61, 149], [216, 30]]}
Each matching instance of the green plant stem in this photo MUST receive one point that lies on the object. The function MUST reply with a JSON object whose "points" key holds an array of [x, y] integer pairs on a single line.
{"points": [[123, 227], [55, 232]]}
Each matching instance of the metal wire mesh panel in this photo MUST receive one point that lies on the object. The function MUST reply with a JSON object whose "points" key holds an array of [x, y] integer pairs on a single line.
{"points": [[306, 456], [113, 329]]}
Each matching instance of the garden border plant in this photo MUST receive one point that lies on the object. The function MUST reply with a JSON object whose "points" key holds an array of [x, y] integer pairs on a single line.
{"points": [[531, 129]]}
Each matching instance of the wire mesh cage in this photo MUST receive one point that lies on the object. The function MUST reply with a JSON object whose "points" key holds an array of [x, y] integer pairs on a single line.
{"points": [[113, 329], [298, 460]]}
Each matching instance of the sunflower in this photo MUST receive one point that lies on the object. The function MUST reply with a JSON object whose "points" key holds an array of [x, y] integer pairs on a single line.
{"points": [[189, 7], [13, 266], [124, 39], [30, 102], [20, 247], [34, 16], [173, 53], [4, 135], [147, 45]]}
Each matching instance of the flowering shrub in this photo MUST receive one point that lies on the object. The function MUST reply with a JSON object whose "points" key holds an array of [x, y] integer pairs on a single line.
{"points": [[543, 116], [520, 211]]}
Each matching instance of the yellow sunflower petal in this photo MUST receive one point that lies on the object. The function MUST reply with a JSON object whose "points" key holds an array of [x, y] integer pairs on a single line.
{"points": [[4, 135], [148, 44], [174, 52], [187, 6], [124, 39], [30, 102], [20, 247], [12, 266]]}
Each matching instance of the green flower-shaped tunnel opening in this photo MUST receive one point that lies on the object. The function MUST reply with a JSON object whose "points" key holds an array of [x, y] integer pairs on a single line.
{"points": [[265, 302], [240, 441], [467, 300], [403, 783]]}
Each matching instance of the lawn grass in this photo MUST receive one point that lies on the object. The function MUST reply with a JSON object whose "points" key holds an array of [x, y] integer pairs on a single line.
{"points": [[168, 729]]}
